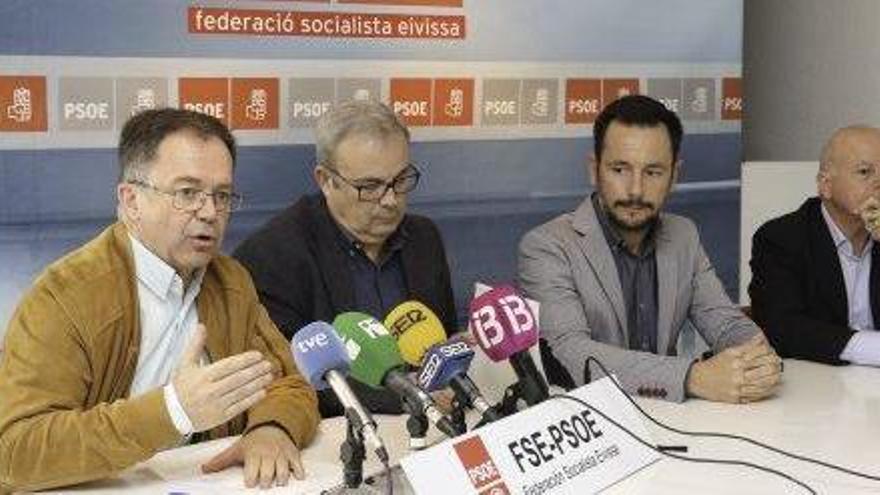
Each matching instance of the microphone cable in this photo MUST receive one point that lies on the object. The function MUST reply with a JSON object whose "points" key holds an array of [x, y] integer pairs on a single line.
{"points": [[386, 472], [389, 482], [663, 450], [709, 434]]}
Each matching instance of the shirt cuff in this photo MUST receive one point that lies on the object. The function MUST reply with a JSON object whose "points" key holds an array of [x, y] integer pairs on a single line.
{"points": [[175, 410], [863, 348]]}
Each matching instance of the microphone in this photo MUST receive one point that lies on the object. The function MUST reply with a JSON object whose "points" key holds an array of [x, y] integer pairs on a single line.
{"points": [[447, 363], [376, 361], [322, 359], [422, 341], [416, 329], [505, 328]]}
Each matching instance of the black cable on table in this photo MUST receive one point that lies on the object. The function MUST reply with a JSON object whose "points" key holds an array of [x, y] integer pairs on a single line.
{"points": [[700, 460], [731, 436]]}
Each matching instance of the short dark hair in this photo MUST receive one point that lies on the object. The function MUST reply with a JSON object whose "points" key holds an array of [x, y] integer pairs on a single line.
{"points": [[641, 111], [143, 133]]}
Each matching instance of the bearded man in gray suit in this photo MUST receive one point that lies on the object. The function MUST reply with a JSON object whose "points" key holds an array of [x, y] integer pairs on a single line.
{"points": [[617, 279]]}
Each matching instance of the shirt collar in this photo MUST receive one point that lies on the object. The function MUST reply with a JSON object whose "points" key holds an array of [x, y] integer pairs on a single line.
{"points": [[156, 274], [614, 239], [841, 243], [394, 242]]}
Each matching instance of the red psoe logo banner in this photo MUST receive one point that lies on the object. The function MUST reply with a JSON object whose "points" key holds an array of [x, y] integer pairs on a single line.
{"points": [[731, 98], [480, 467], [255, 103], [209, 95], [411, 100], [453, 102], [23, 104]]}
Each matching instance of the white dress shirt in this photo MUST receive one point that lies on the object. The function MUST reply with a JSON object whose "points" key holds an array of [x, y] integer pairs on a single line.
{"points": [[864, 346], [168, 319]]}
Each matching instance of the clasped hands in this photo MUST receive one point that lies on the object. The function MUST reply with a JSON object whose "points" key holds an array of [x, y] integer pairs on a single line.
{"points": [[741, 374]]}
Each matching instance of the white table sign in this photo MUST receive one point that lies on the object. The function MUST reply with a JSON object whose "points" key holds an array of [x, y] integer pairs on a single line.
{"points": [[557, 447]]}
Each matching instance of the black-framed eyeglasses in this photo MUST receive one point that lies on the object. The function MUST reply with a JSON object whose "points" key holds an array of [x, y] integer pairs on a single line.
{"points": [[192, 199], [373, 190]]}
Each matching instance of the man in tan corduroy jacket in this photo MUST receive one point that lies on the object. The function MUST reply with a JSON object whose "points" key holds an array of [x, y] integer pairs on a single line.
{"points": [[146, 337]]}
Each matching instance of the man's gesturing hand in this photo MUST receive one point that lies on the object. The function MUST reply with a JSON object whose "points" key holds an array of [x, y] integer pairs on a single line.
{"points": [[212, 395]]}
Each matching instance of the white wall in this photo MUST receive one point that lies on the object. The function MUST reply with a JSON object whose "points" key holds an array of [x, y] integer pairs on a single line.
{"points": [[809, 67], [769, 190]]}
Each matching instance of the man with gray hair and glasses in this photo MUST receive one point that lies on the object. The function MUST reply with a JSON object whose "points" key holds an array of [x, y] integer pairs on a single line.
{"points": [[353, 247], [146, 337]]}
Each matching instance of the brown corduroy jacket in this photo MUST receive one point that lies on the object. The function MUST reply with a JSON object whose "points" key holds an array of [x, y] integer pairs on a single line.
{"points": [[70, 355]]}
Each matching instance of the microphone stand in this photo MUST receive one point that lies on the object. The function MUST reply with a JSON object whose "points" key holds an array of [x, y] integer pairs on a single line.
{"points": [[462, 399], [530, 388], [457, 415], [417, 426], [352, 451], [509, 403], [519, 391]]}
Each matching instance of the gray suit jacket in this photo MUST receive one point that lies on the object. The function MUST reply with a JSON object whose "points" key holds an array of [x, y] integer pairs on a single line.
{"points": [[567, 265]]}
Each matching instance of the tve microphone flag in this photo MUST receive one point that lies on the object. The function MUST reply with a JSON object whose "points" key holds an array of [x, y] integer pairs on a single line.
{"points": [[505, 328], [322, 359], [317, 350]]}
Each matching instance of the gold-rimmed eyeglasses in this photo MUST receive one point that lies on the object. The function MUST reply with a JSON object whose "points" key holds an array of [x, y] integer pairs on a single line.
{"points": [[191, 199]]}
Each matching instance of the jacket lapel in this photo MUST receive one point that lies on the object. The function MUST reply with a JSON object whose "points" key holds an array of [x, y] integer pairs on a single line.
{"points": [[874, 290], [331, 259], [667, 287], [826, 263], [121, 247], [595, 248], [208, 302], [418, 278]]}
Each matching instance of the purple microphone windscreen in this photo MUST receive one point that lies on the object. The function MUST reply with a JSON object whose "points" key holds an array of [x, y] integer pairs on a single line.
{"points": [[316, 350], [502, 323]]}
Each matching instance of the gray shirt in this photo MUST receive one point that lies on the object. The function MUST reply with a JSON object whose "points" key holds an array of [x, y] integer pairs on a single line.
{"points": [[638, 280]]}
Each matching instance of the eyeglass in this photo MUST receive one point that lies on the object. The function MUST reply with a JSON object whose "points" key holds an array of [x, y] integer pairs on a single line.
{"points": [[375, 189], [191, 199]]}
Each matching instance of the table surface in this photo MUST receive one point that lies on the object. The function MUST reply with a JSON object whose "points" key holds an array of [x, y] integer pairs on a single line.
{"points": [[824, 412]]}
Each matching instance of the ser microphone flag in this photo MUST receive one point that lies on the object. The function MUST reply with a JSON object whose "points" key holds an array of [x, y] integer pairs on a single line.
{"points": [[422, 341], [410, 315]]}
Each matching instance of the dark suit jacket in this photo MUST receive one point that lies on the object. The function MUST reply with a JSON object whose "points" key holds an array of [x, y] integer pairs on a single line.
{"points": [[797, 290], [300, 271]]}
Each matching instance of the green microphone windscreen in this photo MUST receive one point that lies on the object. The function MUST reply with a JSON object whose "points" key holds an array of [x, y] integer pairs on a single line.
{"points": [[370, 346]]}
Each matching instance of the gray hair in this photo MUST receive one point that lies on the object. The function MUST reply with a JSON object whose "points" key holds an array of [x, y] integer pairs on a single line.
{"points": [[366, 118]]}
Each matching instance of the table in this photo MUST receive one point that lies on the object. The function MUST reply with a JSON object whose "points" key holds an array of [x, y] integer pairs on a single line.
{"points": [[831, 413], [825, 412]]}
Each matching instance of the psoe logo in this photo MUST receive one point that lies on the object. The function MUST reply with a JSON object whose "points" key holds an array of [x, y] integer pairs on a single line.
{"points": [[480, 467]]}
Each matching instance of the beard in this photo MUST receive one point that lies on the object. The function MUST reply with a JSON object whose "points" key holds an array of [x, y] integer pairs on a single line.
{"points": [[627, 225]]}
